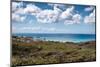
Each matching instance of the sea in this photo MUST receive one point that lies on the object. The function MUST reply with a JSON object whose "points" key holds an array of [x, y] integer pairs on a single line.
{"points": [[59, 37]]}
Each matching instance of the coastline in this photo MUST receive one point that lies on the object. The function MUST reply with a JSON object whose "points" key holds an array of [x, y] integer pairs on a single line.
{"points": [[35, 52], [58, 37]]}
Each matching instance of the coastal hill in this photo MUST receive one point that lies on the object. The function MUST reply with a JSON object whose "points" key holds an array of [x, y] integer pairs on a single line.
{"points": [[89, 44], [32, 52]]}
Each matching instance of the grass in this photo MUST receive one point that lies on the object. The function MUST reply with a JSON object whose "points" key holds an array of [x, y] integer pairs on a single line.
{"points": [[50, 52]]}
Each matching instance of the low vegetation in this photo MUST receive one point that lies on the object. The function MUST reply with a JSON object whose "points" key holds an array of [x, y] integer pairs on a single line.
{"points": [[50, 52]]}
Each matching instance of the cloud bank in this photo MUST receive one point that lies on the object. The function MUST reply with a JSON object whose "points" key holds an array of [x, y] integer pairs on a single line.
{"points": [[59, 13], [90, 18]]}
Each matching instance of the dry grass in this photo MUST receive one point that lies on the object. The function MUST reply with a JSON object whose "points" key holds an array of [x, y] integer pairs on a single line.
{"points": [[49, 52]]}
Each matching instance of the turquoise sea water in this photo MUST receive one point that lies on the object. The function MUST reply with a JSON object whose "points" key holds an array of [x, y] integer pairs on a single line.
{"points": [[60, 37]]}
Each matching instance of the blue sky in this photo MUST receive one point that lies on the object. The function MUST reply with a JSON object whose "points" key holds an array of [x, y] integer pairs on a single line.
{"points": [[34, 17]]}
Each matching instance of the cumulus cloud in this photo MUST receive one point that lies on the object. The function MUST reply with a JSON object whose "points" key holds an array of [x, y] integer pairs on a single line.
{"points": [[75, 19], [67, 16], [44, 15], [16, 5], [18, 18], [89, 8], [53, 15], [48, 16], [15, 17], [19, 11], [90, 18], [32, 9], [67, 13]]}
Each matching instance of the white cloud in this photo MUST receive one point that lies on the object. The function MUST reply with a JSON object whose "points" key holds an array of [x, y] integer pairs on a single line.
{"points": [[67, 22], [19, 11], [90, 18], [89, 8], [51, 29], [32, 9], [69, 16], [31, 28], [43, 16], [16, 5], [48, 16], [67, 13], [51, 16], [76, 19], [17, 18]]}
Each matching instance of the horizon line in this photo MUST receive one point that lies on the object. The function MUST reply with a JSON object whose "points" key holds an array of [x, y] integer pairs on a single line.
{"points": [[53, 33]]}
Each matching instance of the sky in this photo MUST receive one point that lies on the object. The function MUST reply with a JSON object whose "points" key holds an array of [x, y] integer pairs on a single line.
{"points": [[39, 17]]}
